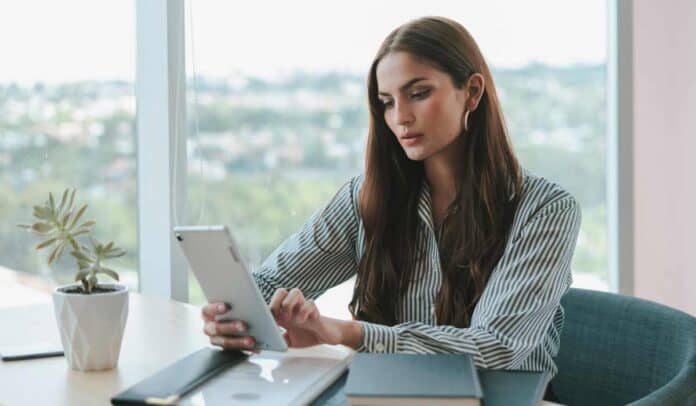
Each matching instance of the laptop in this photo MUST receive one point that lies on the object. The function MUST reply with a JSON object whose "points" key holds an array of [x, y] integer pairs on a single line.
{"points": [[273, 378]]}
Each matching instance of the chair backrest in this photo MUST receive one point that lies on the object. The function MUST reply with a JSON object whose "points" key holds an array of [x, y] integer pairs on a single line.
{"points": [[617, 350]]}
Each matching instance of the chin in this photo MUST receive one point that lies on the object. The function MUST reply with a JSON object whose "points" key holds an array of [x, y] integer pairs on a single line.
{"points": [[416, 155]]}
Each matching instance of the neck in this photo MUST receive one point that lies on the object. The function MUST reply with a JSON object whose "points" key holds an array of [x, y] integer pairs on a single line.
{"points": [[441, 171]]}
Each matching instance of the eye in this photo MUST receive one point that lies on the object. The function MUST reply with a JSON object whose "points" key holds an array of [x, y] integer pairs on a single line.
{"points": [[420, 94]]}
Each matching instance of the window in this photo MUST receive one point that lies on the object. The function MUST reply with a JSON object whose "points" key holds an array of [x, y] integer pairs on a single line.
{"points": [[281, 109], [67, 112]]}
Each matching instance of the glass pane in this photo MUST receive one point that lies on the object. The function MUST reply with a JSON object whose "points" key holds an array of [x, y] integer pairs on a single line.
{"points": [[281, 115], [67, 119]]}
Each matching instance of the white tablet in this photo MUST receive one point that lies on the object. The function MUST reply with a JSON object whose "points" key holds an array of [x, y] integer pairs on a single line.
{"points": [[214, 258]]}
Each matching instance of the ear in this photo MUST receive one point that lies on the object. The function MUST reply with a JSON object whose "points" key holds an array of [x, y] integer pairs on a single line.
{"points": [[475, 85]]}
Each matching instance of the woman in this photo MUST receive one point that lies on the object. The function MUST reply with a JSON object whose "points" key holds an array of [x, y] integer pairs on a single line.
{"points": [[455, 247]]}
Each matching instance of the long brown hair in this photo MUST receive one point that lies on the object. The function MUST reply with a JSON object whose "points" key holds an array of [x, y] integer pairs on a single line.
{"points": [[474, 232]]}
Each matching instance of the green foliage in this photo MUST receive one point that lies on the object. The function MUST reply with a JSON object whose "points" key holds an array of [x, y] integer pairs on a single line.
{"points": [[58, 225], [89, 259], [556, 117]]}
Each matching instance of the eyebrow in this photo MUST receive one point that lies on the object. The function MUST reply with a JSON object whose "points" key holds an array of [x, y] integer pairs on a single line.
{"points": [[405, 85]]}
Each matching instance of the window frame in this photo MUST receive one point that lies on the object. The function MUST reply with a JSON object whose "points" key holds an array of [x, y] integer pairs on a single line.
{"points": [[160, 100], [620, 178]]}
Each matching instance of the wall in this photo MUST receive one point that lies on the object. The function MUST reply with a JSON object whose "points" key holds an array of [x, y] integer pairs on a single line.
{"points": [[664, 122]]}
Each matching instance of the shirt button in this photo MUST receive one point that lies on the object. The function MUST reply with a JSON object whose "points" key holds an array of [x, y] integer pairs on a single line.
{"points": [[432, 310], [379, 347]]}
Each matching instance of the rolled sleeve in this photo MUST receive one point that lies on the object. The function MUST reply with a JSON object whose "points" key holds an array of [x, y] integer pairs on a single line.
{"points": [[378, 338]]}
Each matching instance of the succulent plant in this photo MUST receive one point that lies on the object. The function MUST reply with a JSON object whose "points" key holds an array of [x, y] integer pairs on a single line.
{"points": [[59, 225]]}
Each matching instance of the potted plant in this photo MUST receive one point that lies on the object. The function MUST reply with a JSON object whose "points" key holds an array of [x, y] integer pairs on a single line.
{"points": [[91, 316]]}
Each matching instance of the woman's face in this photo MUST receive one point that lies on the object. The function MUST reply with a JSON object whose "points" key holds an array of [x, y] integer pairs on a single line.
{"points": [[422, 107]]}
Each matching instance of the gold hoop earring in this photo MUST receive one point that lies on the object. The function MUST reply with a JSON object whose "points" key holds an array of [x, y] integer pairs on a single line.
{"points": [[466, 121]]}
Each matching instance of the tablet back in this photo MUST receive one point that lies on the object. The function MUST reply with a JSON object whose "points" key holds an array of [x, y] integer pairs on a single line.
{"points": [[214, 258]]}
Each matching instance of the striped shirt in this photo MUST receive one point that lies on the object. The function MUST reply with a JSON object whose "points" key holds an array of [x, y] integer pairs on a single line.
{"points": [[516, 323]]}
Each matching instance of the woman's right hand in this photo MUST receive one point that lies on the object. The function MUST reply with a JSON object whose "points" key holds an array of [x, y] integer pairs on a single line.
{"points": [[228, 334]]}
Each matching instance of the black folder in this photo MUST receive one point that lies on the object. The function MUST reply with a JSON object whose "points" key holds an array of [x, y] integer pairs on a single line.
{"points": [[170, 384]]}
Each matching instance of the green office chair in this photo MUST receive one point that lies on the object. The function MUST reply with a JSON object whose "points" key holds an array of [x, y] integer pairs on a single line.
{"points": [[617, 350]]}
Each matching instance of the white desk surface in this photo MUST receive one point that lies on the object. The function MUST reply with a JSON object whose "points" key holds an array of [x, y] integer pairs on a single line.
{"points": [[158, 333]]}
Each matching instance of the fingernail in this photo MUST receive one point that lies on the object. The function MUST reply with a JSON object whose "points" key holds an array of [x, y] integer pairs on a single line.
{"points": [[216, 340], [241, 326], [249, 341], [221, 307]]}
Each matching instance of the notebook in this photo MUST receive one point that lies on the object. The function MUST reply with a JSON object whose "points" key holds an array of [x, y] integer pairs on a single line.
{"points": [[407, 379]]}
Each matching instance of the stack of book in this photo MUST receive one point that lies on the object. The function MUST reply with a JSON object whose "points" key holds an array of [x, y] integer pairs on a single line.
{"points": [[441, 379]]}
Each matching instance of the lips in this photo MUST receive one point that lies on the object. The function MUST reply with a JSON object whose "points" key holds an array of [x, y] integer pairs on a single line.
{"points": [[410, 138]]}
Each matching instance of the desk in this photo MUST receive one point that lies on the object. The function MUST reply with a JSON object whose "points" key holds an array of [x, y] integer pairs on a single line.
{"points": [[158, 333]]}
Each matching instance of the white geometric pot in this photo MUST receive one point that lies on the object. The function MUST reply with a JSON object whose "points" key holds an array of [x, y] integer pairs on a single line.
{"points": [[91, 326]]}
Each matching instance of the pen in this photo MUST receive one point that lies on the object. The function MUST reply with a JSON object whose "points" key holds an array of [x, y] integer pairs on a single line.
{"points": [[20, 357]]}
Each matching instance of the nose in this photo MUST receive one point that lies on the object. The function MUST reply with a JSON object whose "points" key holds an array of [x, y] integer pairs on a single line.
{"points": [[403, 114]]}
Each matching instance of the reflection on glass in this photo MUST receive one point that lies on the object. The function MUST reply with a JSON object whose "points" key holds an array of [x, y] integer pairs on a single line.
{"points": [[270, 378]]}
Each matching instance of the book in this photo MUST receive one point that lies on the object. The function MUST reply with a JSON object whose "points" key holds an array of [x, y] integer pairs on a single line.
{"points": [[408, 379], [513, 388]]}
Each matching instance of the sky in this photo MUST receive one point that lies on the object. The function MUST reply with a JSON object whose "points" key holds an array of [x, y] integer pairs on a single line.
{"points": [[72, 40]]}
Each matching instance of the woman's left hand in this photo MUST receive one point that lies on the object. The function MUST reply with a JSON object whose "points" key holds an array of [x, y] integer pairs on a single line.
{"points": [[301, 319]]}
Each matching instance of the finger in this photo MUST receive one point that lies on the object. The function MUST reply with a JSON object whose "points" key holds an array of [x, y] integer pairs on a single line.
{"points": [[210, 328], [306, 311], [293, 302], [277, 300], [286, 336], [233, 343], [213, 328], [232, 327], [209, 311]]}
